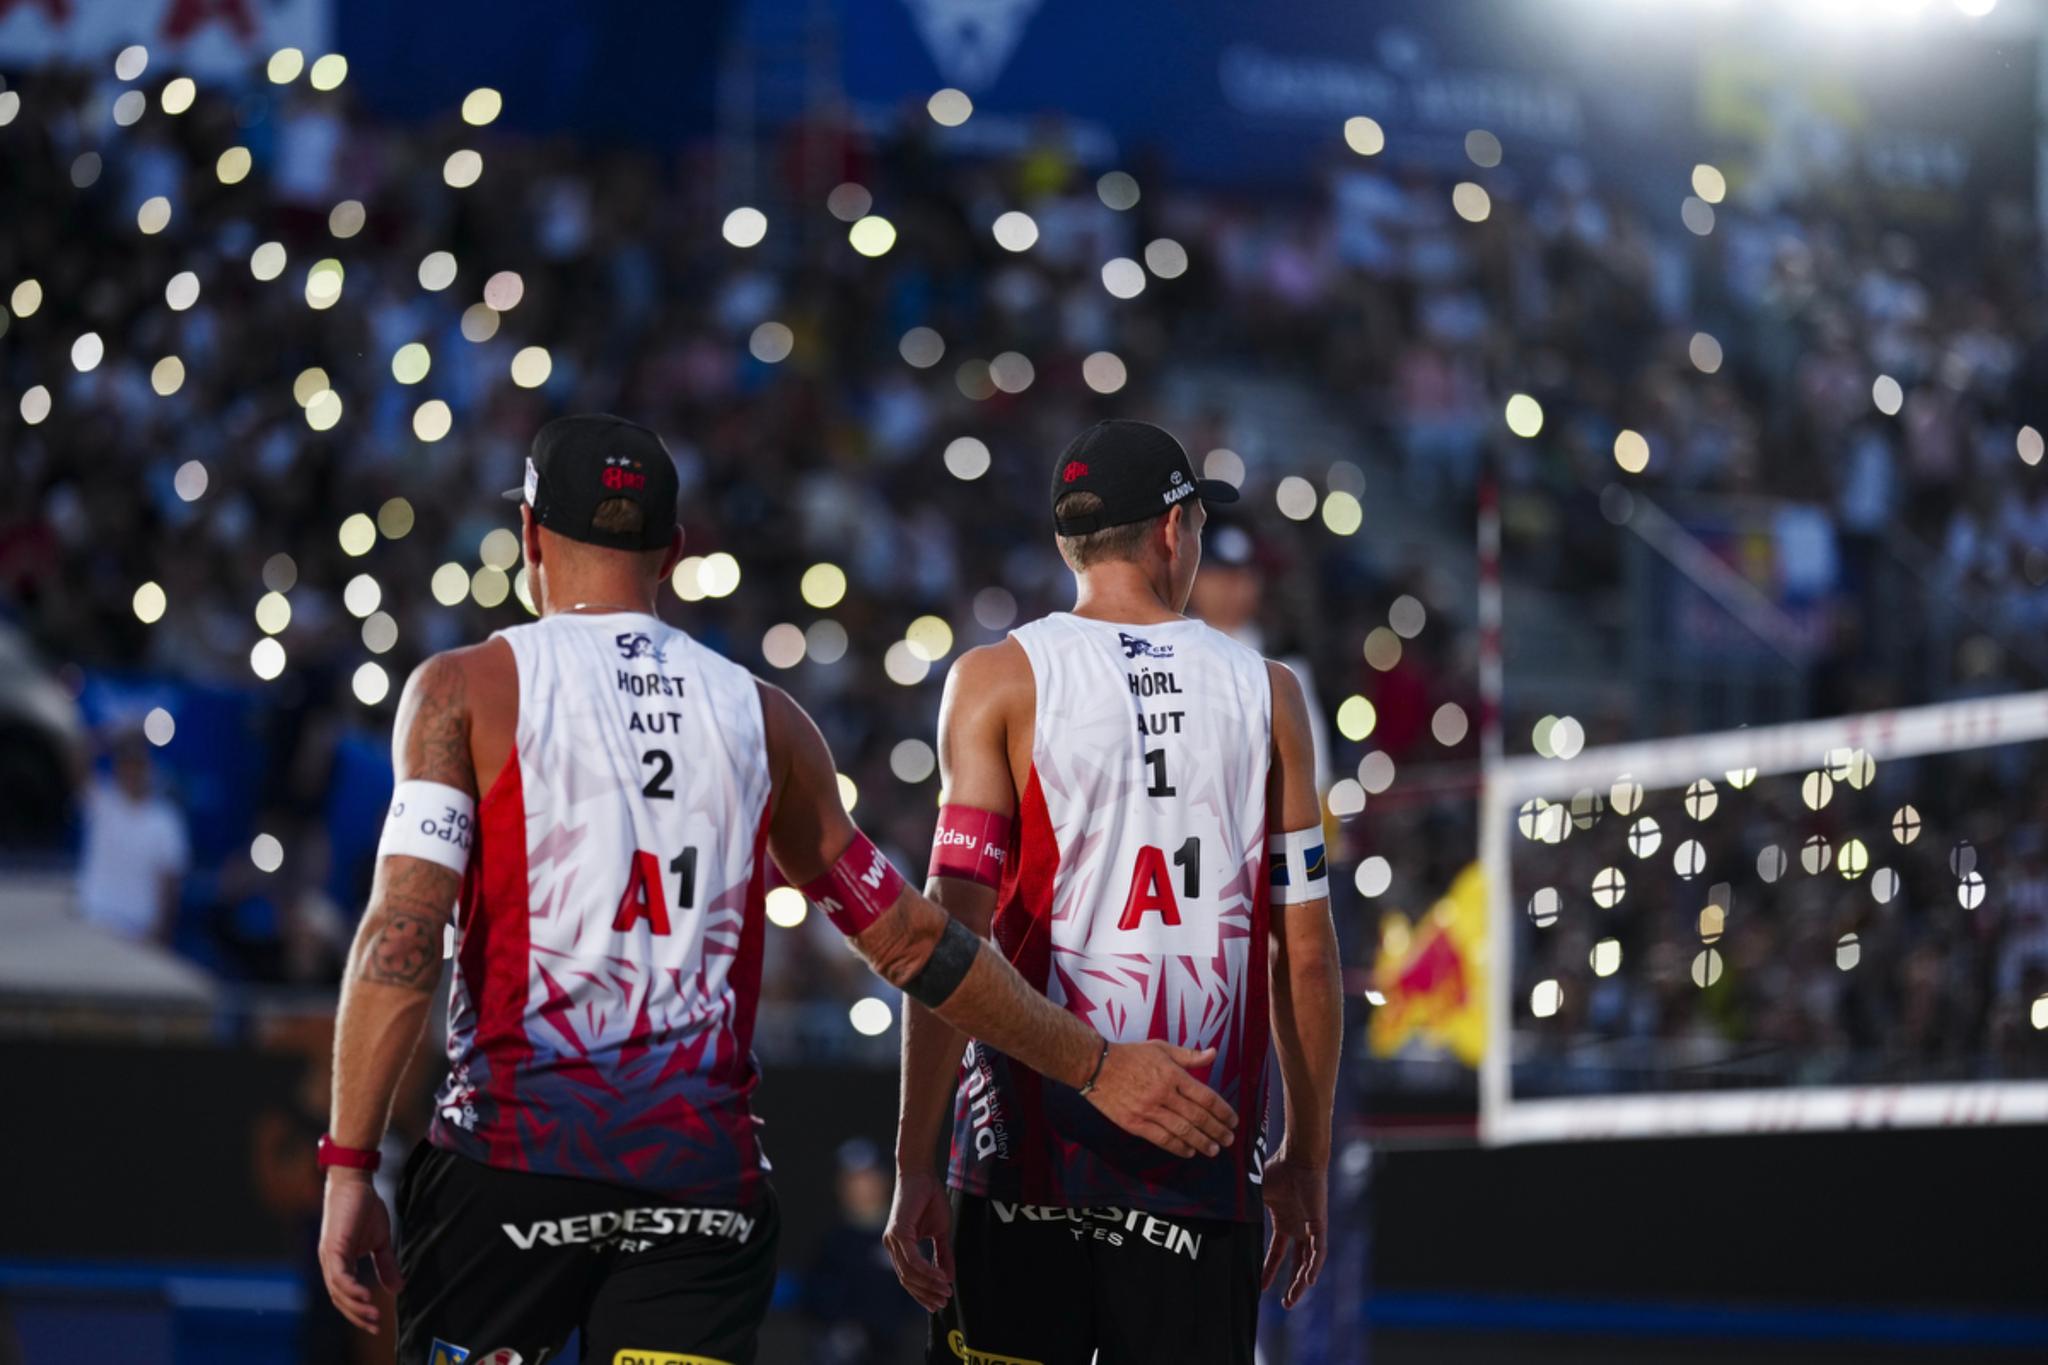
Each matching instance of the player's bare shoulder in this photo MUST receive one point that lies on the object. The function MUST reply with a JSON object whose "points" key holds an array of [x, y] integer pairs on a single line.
{"points": [[992, 681], [452, 699]]}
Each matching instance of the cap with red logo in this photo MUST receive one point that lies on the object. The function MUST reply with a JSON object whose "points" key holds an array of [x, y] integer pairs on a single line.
{"points": [[579, 462], [1137, 469]]}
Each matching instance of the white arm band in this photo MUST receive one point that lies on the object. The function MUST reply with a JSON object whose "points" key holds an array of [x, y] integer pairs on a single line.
{"points": [[1300, 866], [431, 821]]}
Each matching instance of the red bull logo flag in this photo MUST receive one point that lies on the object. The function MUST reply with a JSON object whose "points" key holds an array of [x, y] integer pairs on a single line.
{"points": [[1431, 975]]}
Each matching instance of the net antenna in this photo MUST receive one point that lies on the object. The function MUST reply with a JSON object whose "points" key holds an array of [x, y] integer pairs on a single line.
{"points": [[1518, 791]]}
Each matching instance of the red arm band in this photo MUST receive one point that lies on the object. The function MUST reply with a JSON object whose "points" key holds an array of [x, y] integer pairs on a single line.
{"points": [[856, 890], [970, 844], [331, 1153]]}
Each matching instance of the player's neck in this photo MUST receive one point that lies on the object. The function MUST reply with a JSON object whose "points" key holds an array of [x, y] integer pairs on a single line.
{"points": [[590, 594], [1123, 593]]}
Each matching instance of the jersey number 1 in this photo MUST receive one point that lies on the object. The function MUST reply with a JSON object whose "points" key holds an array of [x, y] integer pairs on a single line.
{"points": [[1152, 888], [645, 896]]}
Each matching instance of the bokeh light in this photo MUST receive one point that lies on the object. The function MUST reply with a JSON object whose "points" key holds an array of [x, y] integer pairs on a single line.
{"points": [[849, 202], [783, 645], [1123, 277], [1632, 452], [462, 169], [266, 852], [1295, 497], [1364, 136], [531, 366], [912, 760], [267, 659], [371, 683], [872, 236], [745, 227], [1103, 372], [1117, 190], [966, 458], [787, 907], [437, 270], [1356, 717], [904, 665], [949, 108], [159, 727], [771, 343], [148, 603], [267, 261], [329, 72], [1524, 415], [273, 613], [871, 1017], [481, 105], [1166, 258], [922, 347]]}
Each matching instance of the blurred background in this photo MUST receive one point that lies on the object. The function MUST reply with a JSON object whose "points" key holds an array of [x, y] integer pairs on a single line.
{"points": [[1595, 371]]}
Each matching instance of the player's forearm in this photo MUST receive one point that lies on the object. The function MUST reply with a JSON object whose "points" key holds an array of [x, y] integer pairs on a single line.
{"points": [[997, 1006], [393, 968], [931, 1046], [992, 1002], [375, 1034], [931, 1057], [1308, 1026]]}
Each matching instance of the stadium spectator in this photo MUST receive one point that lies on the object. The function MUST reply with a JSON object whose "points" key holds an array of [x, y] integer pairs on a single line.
{"points": [[132, 871]]}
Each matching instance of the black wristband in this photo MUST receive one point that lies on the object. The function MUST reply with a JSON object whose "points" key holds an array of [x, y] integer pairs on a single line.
{"points": [[946, 968]]}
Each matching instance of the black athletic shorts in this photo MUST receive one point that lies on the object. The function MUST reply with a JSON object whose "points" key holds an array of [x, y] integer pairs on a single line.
{"points": [[500, 1266], [1043, 1285]]}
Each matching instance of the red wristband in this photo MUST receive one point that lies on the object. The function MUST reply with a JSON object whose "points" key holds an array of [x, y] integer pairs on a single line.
{"points": [[332, 1153], [858, 889], [970, 844]]}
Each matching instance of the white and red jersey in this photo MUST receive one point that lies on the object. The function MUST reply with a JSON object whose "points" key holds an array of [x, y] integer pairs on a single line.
{"points": [[608, 947], [1136, 896]]}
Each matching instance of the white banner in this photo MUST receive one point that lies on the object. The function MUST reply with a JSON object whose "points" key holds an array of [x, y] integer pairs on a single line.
{"points": [[207, 38]]}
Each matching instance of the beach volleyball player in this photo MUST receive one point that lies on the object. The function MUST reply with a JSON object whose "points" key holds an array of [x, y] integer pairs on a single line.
{"points": [[592, 801], [1130, 801]]}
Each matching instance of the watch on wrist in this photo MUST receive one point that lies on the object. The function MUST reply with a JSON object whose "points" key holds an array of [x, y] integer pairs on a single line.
{"points": [[332, 1153]]}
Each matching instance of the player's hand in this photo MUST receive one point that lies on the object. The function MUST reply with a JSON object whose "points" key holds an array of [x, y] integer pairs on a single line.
{"points": [[1146, 1090], [353, 1224], [1298, 1196], [920, 1214]]}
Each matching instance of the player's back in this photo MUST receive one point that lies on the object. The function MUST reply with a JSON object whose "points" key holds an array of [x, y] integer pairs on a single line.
{"points": [[1135, 894], [608, 947]]}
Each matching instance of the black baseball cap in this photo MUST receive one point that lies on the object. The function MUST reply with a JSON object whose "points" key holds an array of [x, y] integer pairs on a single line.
{"points": [[578, 462], [1137, 469]]}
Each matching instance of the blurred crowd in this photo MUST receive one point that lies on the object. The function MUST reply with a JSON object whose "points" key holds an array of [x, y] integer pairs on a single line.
{"points": [[1715, 937], [893, 416]]}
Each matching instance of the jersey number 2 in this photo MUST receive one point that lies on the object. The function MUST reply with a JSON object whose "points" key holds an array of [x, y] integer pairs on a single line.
{"points": [[1152, 888], [647, 898]]}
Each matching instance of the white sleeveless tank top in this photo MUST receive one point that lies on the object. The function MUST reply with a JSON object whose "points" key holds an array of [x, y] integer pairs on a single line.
{"points": [[608, 950], [1136, 898]]}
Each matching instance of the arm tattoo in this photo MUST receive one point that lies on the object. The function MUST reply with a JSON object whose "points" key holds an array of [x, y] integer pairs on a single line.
{"points": [[401, 934], [404, 952], [399, 943], [433, 726]]}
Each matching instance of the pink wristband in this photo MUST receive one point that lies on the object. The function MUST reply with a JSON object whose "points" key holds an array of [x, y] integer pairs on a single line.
{"points": [[970, 844], [858, 889]]}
